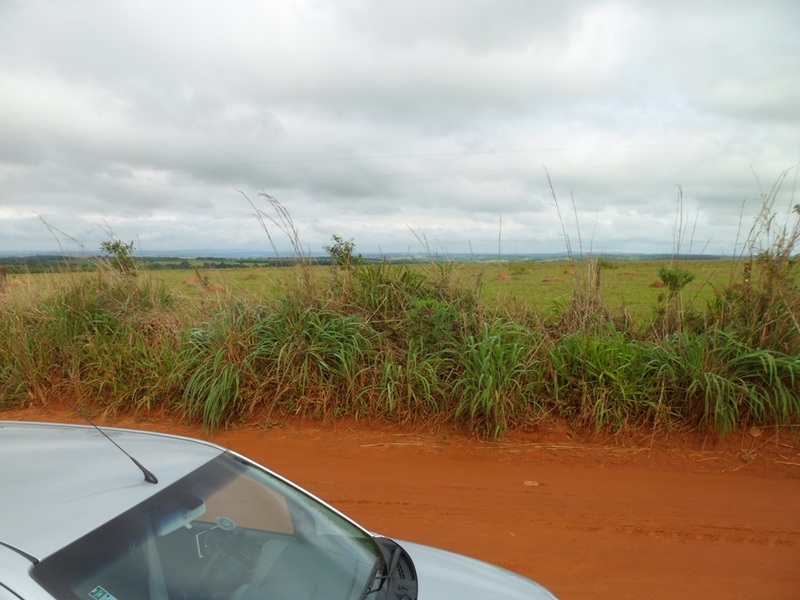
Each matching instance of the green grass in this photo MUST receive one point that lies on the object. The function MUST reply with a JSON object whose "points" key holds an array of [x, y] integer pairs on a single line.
{"points": [[622, 284], [502, 285], [486, 347]]}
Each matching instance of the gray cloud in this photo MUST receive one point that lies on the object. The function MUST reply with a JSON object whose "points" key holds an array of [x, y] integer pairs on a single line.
{"points": [[391, 121]]}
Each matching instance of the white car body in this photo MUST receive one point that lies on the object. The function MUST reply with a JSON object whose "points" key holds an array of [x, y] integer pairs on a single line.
{"points": [[64, 485]]}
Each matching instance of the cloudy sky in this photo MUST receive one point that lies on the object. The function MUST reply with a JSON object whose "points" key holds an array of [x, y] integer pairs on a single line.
{"points": [[397, 123]]}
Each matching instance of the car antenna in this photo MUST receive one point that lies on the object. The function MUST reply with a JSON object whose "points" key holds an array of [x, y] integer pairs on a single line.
{"points": [[148, 476]]}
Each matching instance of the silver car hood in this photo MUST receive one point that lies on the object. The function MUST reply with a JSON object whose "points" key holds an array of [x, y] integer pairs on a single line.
{"points": [[443, 575], [69, 479]]}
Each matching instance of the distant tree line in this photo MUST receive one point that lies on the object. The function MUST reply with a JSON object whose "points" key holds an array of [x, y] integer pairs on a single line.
{"points": [[59, 263], [56, 263]]}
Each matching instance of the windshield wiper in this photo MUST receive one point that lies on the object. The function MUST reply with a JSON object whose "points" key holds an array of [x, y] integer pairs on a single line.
{"points": [[399, 582]]}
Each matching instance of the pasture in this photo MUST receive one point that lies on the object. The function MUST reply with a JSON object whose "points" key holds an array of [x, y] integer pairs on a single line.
{"points": [[540, 286]]}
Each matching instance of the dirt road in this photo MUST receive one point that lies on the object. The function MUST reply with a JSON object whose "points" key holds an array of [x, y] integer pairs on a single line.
{"points": [[681, 517]]}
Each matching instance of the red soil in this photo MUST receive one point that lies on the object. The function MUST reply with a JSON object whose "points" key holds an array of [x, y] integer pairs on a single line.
{"points": [[621, 518]]}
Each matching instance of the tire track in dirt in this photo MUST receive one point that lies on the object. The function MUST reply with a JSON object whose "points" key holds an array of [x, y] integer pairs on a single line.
{"points": [[691, 531]]}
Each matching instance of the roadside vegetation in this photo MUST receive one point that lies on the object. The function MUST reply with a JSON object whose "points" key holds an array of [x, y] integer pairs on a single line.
{"points": [[427, 342]]}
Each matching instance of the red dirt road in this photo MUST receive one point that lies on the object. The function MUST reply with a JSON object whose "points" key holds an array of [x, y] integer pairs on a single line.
{"points": [[681, 517]]}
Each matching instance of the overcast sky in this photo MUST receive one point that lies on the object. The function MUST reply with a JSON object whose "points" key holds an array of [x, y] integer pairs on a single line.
{"points": [[397, 123]]}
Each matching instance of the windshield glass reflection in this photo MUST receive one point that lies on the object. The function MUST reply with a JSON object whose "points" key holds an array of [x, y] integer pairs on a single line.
{"points": [[228, 530]]}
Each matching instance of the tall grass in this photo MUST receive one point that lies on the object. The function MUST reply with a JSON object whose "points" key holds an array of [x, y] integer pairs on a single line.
{"points": [[763, 306], [498, 376], [383, 341], [599, 380], [718, 381], [105, 338]]}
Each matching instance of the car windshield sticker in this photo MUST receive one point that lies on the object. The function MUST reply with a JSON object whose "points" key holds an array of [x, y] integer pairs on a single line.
{"points": [[99, 593]]}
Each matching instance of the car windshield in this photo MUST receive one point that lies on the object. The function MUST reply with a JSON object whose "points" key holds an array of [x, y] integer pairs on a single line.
{"points": [[228, 530]]}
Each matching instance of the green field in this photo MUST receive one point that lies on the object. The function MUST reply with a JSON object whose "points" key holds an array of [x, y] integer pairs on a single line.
{"points": [[537, 285]]}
